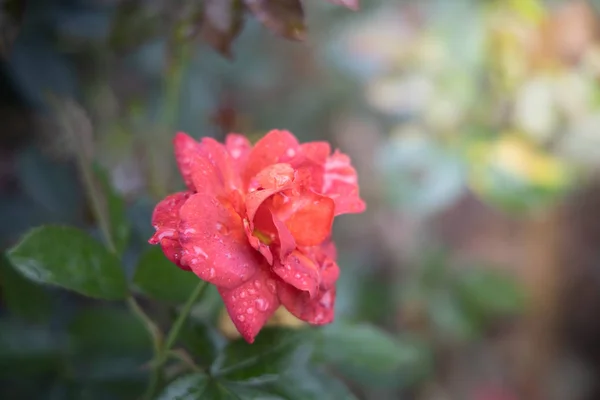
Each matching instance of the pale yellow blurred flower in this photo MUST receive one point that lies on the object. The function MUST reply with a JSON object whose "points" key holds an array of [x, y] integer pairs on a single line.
{"points": [[518, 157], [282, 317], [535, 110]]}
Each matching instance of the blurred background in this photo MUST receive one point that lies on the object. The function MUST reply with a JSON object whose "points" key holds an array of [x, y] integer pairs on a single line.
{"points": [[474, 126]]}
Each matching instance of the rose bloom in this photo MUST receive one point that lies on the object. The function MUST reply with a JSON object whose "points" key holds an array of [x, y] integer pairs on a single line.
{"points": [[256, 223]]}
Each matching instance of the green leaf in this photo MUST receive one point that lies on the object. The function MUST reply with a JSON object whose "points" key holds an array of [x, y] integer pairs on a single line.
{"points": [[274, 352], [371, 356], [488, 293], [189, 387], [69, 258], [200, 386], [203, 340], [120, 229], [311, 383], [22, 297], [274, 367], [159, 278]]}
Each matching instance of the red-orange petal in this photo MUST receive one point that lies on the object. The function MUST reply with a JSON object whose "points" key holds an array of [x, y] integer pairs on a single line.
{"points": [[187, 155], [224, 163], [239, 149], [275, 147], [214, 242], [340, 183], [306, 214], [316, 311], [251, 304], [299, 271], [165, 219]]}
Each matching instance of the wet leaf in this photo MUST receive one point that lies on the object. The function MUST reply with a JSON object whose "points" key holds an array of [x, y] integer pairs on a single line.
{"points": [[159, 278], [202, 340], [200, 386], [283, 17], [223, 21], [71, 259], [274, 352]]}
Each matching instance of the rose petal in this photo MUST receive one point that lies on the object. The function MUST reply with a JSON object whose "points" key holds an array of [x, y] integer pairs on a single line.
{"points": [[306, 214], [224, 163], [285, 239], [187, 154], [312, 164], [251, 304], [275, 147], [165, 220], [316, 311], [214, 242], [330, 272], [317, 152], [300, 272], [275, 176], [255, 242], [239, 149], [340, 183]]}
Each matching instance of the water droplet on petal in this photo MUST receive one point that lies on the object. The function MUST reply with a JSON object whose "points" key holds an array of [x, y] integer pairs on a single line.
{"points": [[222, 229], [261, 304], [297, 276], [252, 291], [241, 318], [326, 300], [211, 273], [271, 285], [290, 152], [243, 295], [257, 284], [200, 251], [250, 310]]}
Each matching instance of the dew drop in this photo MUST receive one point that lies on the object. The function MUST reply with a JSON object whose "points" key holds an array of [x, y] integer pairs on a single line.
{"points": [[271, 285], [211, 273], [241, 318], [261, 304], [326, 300], [165, 234], [297, 276], [252, 291], [243, 295], [200, 251], [250, 310], [319, 317], [290, 152], [222, 229], [236, 153], [257, 284]]}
